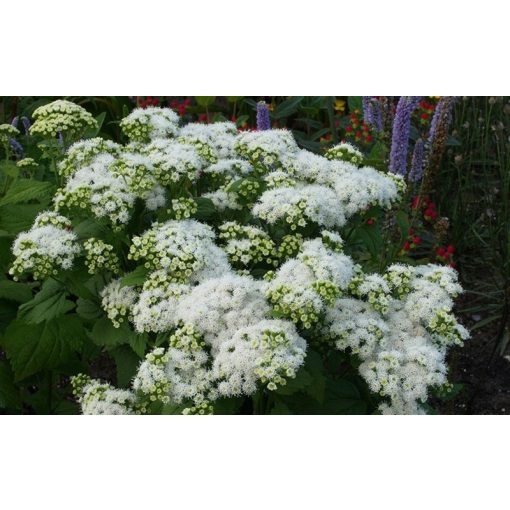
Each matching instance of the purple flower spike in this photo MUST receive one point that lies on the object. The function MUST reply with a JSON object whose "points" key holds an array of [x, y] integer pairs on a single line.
{"points": [[372, 112], [17, 148], [14, 122], [442, 114], [400, 136], [263, 120], [416, 172]]}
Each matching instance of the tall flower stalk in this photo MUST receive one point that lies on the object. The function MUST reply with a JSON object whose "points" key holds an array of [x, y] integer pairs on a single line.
{"points": [[400, 135], [372, 112], [263, 120]]}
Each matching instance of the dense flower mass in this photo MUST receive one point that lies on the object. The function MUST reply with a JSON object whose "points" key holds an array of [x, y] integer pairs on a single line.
{"points": [[61, 118], [238, 242]]}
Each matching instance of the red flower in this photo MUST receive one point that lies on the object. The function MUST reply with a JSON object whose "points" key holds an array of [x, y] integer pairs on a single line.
{"points": [[416, 240], [407, 246], [450, 249], [441, 252], [370, 221], [348, 129]]}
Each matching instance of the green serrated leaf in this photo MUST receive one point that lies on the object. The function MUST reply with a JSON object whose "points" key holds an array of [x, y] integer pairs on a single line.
{"points": [[135, 277], [24, 190], [35, 347], [105, 334], [50, 302]]}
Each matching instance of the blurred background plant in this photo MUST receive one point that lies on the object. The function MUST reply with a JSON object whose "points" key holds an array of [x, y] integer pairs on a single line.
{"points": [[473, 191]]}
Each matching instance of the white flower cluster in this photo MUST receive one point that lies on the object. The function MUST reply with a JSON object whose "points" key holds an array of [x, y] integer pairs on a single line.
{"points": [[232, 300], [265, 149], [82, 154], [61, 117], [345, 152], [247, 245], [48, 247], [212, 141], [100, 255], [145, 124], [184, 249], [403, 347], [96, 397], [117, 301], [297, 206], [173, 162], [7, 132]]}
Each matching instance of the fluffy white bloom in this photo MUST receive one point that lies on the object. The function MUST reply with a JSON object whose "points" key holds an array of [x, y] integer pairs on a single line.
{"points": [[96, 397], [145, 124], [226, 303], [213, 141], [270, 351], [354, 324], [97, 188], [363, 188], [309, 167], [117, 301], [298, 205], [229, 169], [345, 151], [265, 149], [157, 304], [327, 264], [174, 162], [184, 249], [223, 200], [82, 153], [151, 379], [48, 247]]}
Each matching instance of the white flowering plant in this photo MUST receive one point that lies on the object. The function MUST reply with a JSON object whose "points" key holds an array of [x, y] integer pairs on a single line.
{"points": [[226, 272]]}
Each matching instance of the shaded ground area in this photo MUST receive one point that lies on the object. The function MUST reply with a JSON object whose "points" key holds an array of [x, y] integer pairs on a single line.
{"points": [[483, 372]]}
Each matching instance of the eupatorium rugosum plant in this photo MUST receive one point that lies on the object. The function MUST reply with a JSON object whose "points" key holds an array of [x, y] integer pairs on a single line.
{"points": [[225, 253]]}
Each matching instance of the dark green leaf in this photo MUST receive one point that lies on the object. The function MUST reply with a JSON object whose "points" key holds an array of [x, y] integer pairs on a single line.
{"points": [[9, 169], [287, 107], [9, 397], [24, 190], [126, 362], [35, 347], [48, 303], [88, 310], [135, 277], [16, 218], [14, 291]]}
